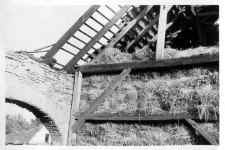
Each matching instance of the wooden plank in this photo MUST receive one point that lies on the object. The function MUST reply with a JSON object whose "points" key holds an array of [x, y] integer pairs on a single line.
{"points": [[161, 33], [43, 47], [71, 31], [98, 36], [75, 106], [193, 61], [167, 27], [208, 14], [200, 35], [100, 99], [126, 29], [204, 134], [135, 117], [144, 31]]}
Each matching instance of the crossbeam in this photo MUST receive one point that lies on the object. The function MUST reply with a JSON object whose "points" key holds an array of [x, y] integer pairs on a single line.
{"points": [[135, 117], [193, 61], [99, 100]]}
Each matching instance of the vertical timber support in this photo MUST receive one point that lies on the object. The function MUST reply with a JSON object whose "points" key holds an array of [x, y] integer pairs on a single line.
{"points": [[161, 32], [200, 34], [75, 106], [99, 100]]}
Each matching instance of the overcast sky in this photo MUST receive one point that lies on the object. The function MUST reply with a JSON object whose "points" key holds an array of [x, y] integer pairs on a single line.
{"points": [[31, 27], [34, 26]]}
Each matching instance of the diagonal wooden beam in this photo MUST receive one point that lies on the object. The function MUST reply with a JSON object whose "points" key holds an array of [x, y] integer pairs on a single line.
{"points": [[97, 37], [100, 99], [143, 32], [71, 31], [204, 134], [126, 29]]}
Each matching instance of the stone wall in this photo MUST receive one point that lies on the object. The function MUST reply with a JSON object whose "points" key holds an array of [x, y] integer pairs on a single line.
{"points": [[30, 82]]}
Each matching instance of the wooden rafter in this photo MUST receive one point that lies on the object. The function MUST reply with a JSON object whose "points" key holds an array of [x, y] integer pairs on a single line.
{"points": [[98, 36], [99, 100], [71, 31], [126, 29], [144, 31], [154, 39]]}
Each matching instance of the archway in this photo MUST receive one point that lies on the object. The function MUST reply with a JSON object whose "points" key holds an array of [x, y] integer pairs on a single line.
{"points": [[45, 119]]}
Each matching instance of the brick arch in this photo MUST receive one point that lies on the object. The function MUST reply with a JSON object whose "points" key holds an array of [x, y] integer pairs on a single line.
{"points": [[28, 81], [45, 119]]}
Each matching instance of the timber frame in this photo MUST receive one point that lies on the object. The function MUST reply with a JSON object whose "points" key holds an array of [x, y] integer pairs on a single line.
{"points": [[129, 28], [138, 27]]}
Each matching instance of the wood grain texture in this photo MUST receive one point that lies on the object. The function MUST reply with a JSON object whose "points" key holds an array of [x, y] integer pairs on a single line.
{"points": [[204, 134], [99, 100], [161, 33], [193, 61], [75, 106]]}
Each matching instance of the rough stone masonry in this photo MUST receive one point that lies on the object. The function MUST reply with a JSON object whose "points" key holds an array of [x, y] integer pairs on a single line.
{"points": [[46, 92]]}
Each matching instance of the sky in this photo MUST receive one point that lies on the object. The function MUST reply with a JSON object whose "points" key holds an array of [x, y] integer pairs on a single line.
{"points": [[34, 26], [29, 27]]}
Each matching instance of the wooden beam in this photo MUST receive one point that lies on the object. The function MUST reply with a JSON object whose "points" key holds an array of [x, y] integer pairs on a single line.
{"points": [[204, 134], [200, 34], [100, 99], [180, 28], [161, 33], [208, 14], [193, 61], [71, 31], [74, 106], [135, 117], [154, 39], [144, 31], [97, 37], [126, 29]]}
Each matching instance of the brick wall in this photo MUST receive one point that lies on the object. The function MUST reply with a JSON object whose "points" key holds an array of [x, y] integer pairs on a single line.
{"points": [[32, 82]]}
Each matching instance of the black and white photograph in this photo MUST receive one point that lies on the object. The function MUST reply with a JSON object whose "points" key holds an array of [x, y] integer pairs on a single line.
{"points": [[111, 75]]}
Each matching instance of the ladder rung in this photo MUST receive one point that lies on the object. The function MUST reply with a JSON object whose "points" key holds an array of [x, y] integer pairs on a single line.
{"points": [[85, 34], [73, 45], [102, 26], [68, 51], [79, 40], [110, 9], [107, 18]]}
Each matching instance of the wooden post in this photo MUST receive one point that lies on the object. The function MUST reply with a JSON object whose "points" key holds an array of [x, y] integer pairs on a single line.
{"points": [[204, 134], [161, 32], [99, 100], [75, 106]]}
